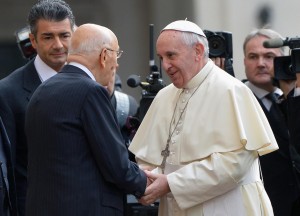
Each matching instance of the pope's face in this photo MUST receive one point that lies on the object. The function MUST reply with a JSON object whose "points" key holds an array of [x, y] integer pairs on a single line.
{"points": [[177, 58], [258, 62]]}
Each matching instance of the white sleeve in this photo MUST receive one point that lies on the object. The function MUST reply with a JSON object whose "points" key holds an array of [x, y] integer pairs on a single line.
{"points": [[202, 180]]}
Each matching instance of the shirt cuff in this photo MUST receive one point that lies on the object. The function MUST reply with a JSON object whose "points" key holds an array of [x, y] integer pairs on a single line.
{"points": [[297, 92]]}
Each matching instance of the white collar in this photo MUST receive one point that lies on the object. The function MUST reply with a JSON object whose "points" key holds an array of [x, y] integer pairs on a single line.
{"points": [[297, 91], [261, 93], [43, 70], [82, 67]]}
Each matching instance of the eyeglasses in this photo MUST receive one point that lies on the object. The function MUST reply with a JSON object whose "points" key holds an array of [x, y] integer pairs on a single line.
{"points": [[119, 52]]}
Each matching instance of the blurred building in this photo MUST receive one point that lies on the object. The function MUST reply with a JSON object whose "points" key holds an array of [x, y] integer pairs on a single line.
{"points": [[130, 20]]}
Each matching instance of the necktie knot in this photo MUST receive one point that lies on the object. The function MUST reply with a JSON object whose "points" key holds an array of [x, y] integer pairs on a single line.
{"points": [[272, 96], [276, 112]]}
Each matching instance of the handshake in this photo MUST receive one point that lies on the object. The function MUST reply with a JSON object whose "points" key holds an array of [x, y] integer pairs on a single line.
{"points": [[157, 186]]}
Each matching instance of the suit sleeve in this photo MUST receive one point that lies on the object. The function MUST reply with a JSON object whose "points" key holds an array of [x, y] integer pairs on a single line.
{"points": [[105, 140]]}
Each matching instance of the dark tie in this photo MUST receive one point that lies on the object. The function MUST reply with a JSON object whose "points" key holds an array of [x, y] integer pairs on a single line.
{"points": [[272, 97], [275, 111]]}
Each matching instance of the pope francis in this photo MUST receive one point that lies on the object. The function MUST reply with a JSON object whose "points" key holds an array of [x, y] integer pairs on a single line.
{"points": [[202, 136]]}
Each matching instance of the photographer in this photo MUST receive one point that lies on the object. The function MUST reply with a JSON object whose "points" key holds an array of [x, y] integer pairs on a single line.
{"points": [[293, 119], [288, 74], [278, 169]]}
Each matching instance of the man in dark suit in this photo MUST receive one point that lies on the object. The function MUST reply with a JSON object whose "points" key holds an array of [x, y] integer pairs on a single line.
{"points": [[51, 24], [293, 115], [7, 180], [277, 168], [293, 119], [77, 161]]}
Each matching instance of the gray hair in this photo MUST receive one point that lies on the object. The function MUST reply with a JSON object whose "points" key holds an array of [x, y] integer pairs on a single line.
{"points": [[51, 10], [266, 32], [191, 39]]}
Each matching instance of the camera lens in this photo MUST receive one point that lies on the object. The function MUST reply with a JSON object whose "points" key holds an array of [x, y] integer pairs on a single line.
{"points": [[216, 45]]}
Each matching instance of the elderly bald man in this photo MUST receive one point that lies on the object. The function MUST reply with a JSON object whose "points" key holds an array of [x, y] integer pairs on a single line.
{"points": [[202, 135], [78, 162]]}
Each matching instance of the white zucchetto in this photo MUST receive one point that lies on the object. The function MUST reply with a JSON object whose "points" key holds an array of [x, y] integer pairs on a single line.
{"points": [[184, 26]]}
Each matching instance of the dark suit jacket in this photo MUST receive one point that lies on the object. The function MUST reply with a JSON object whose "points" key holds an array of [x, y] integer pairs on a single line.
{"points": [[293, 113], [277, 169], [7, 180], [15, 92], [293, 116], [78, 163]]}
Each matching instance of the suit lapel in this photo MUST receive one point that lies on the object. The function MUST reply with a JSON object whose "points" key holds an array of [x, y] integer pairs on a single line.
{"points": [[5, 141], [31, 79], [280, 133]]}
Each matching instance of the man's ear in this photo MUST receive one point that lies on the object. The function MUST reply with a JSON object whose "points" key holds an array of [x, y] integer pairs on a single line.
{"points": [[32, 40], [199, 50], [102, 57]]}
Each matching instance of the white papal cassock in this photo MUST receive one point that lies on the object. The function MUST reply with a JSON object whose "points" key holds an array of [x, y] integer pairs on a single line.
{"points": [[218, 132]]}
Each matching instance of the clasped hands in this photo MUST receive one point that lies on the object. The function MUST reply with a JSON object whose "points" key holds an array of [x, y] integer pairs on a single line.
{"points": [[157, 186]]}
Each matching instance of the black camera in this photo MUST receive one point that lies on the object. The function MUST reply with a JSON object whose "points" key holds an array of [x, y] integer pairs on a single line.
{"points": [[286, 67], [295, 59], [24, 44], [220, 44], [283, 68]]}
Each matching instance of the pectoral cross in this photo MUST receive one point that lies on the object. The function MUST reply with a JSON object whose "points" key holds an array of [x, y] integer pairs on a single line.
{"points": [[165, 153]]}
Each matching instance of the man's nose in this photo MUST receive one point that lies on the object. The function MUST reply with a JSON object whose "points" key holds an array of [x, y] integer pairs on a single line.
{"points": [[58, 43], [261, 60]]}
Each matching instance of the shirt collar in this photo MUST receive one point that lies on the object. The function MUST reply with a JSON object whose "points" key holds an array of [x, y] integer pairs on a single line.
{"points": [[261, 93], [43, 70], [82, 67], [297, 91]]}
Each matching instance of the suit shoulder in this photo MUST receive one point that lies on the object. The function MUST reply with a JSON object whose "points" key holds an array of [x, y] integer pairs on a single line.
{"points": [[75, 82], [17, 74]]}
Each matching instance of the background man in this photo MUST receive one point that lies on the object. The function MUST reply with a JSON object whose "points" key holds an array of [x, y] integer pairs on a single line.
{"points": [[51, 23], [277, 168]]}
